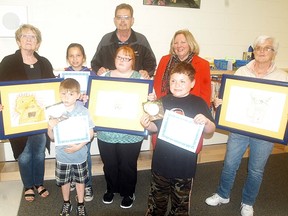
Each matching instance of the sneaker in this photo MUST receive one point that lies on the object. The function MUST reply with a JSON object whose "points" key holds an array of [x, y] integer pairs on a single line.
{"points": [[72, 186], [246, 210], [108, 198], [66, 209], [88, 194], [81, 210], [127, 202], [216, 200]]}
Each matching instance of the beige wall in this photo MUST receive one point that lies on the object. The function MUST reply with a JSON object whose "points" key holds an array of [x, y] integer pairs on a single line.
{"points": [[223, 28]]}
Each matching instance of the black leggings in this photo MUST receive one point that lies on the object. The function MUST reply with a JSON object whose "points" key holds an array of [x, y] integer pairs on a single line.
{"points": [[120, 166]]}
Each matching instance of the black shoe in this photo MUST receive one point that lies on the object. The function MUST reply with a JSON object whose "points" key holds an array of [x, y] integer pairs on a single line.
{"points": [[66, 209], [108, 198], [127, 202], [81, 210]]}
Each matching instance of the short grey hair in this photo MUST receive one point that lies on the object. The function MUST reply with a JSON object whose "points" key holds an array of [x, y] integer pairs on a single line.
{"points": [[23, 27], [262, 38]]}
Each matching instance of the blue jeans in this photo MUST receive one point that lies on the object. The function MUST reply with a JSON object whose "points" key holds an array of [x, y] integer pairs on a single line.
{"points": [[89, 162], [260, 151], [32, 161]]}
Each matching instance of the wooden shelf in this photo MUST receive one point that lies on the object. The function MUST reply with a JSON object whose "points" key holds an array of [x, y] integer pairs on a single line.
{"points": [[220, 72]]}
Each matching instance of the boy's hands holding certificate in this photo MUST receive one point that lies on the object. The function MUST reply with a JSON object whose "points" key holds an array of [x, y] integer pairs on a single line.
{"points": [[71, 148], [209, 127], [65, 132], [200, 119]]}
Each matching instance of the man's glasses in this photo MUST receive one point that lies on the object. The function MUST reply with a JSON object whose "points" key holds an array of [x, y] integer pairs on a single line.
{"points": [[30, 37], [124, 59], [263, 49], [123, 17]]}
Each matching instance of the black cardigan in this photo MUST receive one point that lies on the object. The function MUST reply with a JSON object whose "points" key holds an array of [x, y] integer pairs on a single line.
{"points": [[12, 69]]}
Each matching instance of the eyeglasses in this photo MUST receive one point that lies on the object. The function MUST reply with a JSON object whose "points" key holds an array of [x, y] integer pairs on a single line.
{"points": [[30, 37], [123, 17], [263, 49], [124, 59]]}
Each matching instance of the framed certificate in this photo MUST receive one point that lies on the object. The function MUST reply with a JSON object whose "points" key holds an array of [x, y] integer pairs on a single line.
{"points": [[24, 106], [73, 130], [254, 107], [115, 104], [180, 131], [81, 76]]}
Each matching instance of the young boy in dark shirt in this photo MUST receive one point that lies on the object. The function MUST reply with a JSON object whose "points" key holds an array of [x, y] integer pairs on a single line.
{"points": [[173, 168]]}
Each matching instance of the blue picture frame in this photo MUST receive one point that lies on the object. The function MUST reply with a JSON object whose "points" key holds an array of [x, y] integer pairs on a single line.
{"points": [[17, 120], [254, 107], [116, 104]]}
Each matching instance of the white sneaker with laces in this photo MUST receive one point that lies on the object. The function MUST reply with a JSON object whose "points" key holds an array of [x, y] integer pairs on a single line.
{"points": [[216, 200], [246, 210]]}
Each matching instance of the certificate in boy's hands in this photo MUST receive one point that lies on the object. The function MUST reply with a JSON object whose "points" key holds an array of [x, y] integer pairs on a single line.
{"points": [[180, 131], [72, 131]]}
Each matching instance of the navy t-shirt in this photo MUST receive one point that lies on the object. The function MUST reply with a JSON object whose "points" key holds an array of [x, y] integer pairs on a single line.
{"points": [[169, 160]]}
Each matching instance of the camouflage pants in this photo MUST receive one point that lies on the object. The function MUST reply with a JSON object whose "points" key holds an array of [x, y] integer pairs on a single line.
{"points": [[179, 191]]}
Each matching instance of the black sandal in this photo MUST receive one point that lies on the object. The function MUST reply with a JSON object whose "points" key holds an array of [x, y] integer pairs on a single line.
{"points": [[42, 192], [30, 197]]}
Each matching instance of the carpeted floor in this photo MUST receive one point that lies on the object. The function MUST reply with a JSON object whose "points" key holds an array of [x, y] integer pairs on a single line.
{"points": [[272, 199]]}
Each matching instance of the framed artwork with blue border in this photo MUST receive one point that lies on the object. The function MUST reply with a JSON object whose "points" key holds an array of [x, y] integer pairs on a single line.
{"points": [[254, 107], [24, 105], [116, 104]]}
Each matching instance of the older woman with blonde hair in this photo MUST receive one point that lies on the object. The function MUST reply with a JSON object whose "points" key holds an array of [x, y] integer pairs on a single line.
{"points": [[27, 64]]}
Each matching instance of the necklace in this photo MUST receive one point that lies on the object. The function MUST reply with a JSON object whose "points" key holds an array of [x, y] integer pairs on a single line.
{"points": [[31, 66]]}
